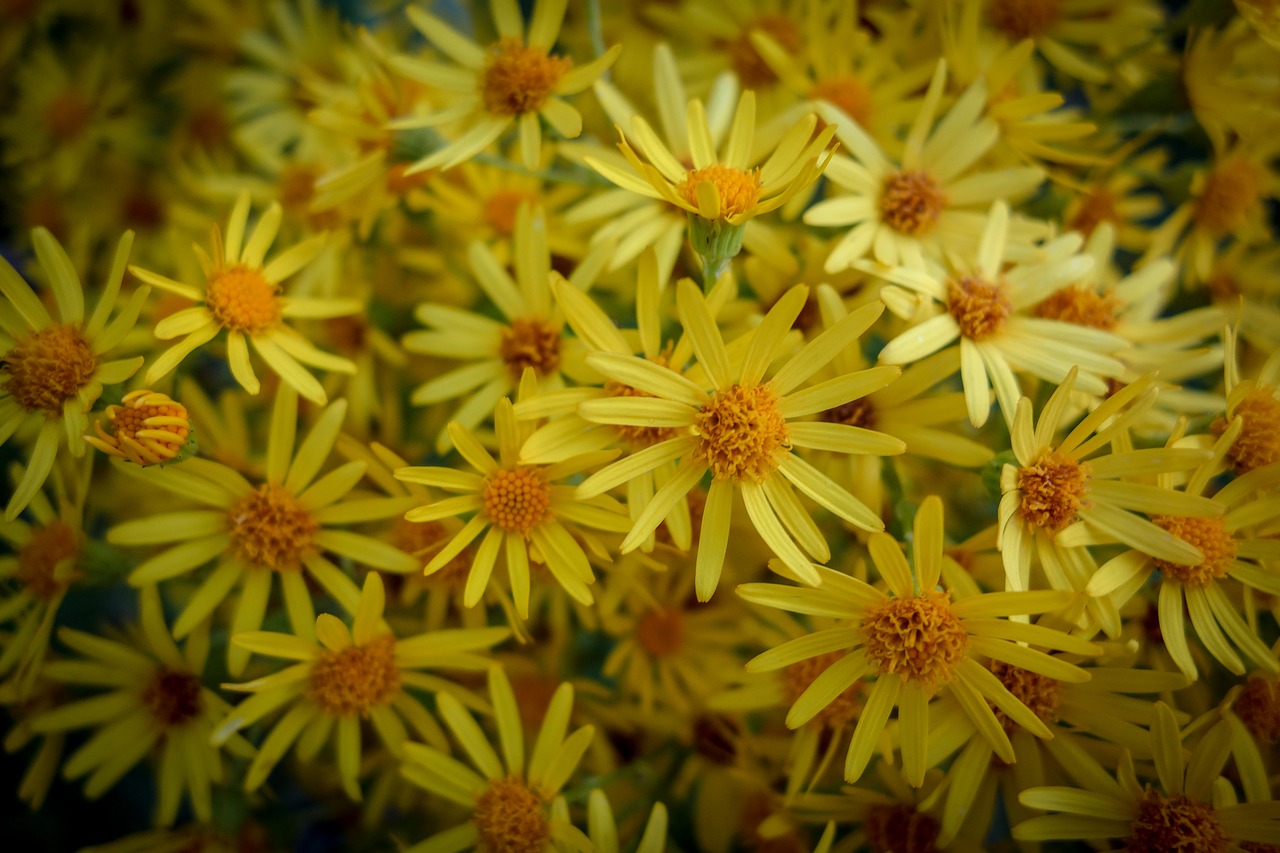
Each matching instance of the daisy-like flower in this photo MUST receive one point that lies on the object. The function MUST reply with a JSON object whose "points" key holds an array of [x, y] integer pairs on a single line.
{"points": [[1192, 808], [242, 294], [280, 527], [147, 428], [1256, 404], [1075, 35], [155, 703], [917, 642], [516, 80], [514, 802], [986, 312], [1118, 194], [723, 190], [523, 509], [346, 678], [925, 204], [52, 371], [744, 432], [1222, 532]]}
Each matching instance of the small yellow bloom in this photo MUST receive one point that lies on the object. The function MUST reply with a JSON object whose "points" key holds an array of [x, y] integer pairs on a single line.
{"points": [[147, 428]]}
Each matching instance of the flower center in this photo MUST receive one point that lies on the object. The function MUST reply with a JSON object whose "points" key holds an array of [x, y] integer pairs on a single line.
{"points": [[516, 499], [48, 368], [1176, 824], [1052, 491], [530, 342], [1210, 536], [898, 828], [1259, 441], [147, 428], [356, 679], [1258, 707], [510, 818], [661, 632], [418, 538], [67, 115], [1020, 19], [173, 697], [1230, 192], [1097, 205], [715, 738], [918, 638], [797, 677], [270, 529], [751, 68], [742, 433], [979, 308], [738, 190], [1039, 693], [910, 202], [859, 413], [398, 183], [38, 559], [518, 79], [847, 93], [242, 300], [1082, 306], [500, 209]]}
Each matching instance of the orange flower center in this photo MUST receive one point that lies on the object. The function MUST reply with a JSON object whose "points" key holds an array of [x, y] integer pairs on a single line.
{"points": [[1258, 707], [741, 433], [738, 190], [751, 68], [918, 638], [1165, 824], [1082, 306], [398, 183], [356, 679], [147, 428], [500, 209], [661, 632], [910, 202], [242, 300], [1259, 441], [848, 94], [1097, 205], [67, 115], [1020, 19], [978, 307], [530, 342], [516, 499], [39, 558], [270, 529], [173, 697], [1230, 192], [1040, 693], [797, 677], [48, 368], [898, 828], [859, 413], [1052, 491], [511, 818], [1210, 536], [518, 79]]}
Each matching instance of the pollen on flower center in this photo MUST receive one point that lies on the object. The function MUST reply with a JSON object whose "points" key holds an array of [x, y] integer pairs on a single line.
{"points": [[516, 499], [1164, 824], [356, 679], [242, 300], [500, 209], [530, 342], [511, 818], [978, 307], [918, 638], [1206, 533], [859, 413], [1040, 693], [517, 79], [1052, 491], [1097, 205], [1259, 441], [797, 677], [846, 92], [1020, 19], [738, 190], [147, 428], [751, 68], [1258, 707], [173, 697], [660, 632], [910, 202], [1230, 192], [270, 529], [742, 433], [418, 538], [898, 828], [1082, 306], [48, 368], [39, 558]]}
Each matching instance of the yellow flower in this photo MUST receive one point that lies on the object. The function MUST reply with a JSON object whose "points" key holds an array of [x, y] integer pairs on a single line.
{"points": [[745, 432], [1256, 404], [516, 80], [602, 827], [147, 428], [348, 677], [53, 371], [243, 295]]}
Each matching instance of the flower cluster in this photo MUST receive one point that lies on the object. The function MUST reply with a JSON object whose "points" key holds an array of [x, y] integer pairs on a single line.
{"points": [[562, 425]]}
